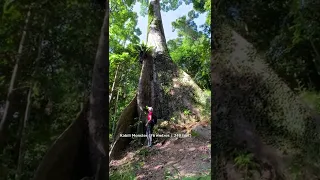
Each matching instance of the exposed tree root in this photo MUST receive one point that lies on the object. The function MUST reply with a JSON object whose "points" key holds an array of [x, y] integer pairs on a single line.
{"points": [[68, 157], [126, 119]]}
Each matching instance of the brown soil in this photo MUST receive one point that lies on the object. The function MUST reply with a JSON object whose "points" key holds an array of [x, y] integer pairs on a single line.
{"points": [[175, 157]]}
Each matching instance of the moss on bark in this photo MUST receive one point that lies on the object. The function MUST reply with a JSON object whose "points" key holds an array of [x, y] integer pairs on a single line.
{"points": [[174, 90], [251, 103]]}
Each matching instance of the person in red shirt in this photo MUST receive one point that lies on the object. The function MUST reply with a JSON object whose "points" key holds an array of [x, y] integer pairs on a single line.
{"points": [[149, 126]]}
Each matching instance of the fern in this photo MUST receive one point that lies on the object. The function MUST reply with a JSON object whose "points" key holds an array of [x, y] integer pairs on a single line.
{"points": [[243, 160], [246, 162], [143, 49]]}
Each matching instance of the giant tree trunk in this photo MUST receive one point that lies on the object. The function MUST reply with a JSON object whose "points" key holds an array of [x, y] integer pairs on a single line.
{"points": [[144, 96], [145, 89], [4, 121], [173, 90], [98, 119], [250, 100]]}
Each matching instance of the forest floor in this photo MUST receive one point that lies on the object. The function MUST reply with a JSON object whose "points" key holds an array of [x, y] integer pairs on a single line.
{"points": [[170, 158]]}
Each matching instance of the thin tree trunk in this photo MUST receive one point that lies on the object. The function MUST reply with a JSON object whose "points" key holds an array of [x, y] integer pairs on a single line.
{"points": [[4, 122], [28, 109], [116, 75], [115, 112], [23, 137], [98, 118], [17, 145], [114, 82]]}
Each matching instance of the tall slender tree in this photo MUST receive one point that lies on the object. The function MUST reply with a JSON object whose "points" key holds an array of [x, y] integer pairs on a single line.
{"points": [[4, 121]]}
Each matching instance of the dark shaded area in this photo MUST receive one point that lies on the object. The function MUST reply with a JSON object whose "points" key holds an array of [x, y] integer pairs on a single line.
{"points": [[17, 103], [68, 158], [231, 118], [100, 3], [285, 31]]}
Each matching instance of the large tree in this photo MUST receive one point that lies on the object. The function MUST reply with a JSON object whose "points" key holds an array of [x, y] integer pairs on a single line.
{"points": [[173, 89], [162, 84]]}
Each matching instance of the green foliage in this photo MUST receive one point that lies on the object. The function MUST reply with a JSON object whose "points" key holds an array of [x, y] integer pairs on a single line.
{"points": [[143, 48], [122, 30], [187, 112], [191, 50], [313, 99], [194, 134], [167, 174], [245, 161], [201, 177], [143, 152], [125, 173], [205, 176], [287, 30], [62, 73], [123, 56]]}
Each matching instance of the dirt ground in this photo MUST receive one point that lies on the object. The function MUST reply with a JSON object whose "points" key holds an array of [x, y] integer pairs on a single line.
{"points": [[175, 158]]}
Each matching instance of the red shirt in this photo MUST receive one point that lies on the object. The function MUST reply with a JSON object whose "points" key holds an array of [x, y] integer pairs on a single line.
{"points": [[150, 116]]}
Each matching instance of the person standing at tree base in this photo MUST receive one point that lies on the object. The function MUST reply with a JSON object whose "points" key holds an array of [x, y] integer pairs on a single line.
{"points": [[149, 126]]}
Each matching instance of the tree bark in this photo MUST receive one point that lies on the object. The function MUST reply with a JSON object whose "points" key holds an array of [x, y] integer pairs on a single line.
{"points": [[23, 137], [251, 100], [98, 119], [173, 90], [4, 122], [144, 96]]}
